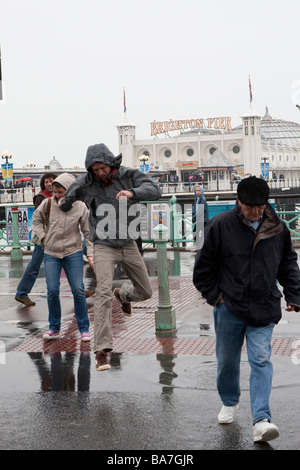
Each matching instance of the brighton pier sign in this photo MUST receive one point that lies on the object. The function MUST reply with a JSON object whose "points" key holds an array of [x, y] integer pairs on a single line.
{"points": [[209, 123]]}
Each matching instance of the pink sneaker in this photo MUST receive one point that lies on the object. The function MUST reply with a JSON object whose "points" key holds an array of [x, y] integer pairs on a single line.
{"points": [[85, 336], [51, 334]]}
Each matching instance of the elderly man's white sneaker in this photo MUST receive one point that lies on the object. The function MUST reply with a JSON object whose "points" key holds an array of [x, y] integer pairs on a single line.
{"points": [[227, 413], [264, 431]]}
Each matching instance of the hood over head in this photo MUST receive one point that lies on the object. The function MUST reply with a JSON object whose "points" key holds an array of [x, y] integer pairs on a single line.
{"points": [[65, 180], [101, 153], [198, 186]]}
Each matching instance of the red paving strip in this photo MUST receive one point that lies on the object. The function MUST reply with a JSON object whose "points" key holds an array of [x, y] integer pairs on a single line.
{"points": [[128, 340], [128, 332]]}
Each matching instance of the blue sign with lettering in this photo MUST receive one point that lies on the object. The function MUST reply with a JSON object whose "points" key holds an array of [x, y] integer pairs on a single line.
{"points": [[265, 169], [144, 168]]}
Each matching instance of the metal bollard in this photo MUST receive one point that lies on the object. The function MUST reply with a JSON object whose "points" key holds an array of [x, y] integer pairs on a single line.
{"points": [[165, 319], [16, 252]]}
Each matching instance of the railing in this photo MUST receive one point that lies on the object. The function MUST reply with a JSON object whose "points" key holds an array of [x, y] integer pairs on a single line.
{"points": [[180, 226], [3, 233], [24, 195], [222, 185], [14, 233], [18, 195], [293, 217], [178, 221]]}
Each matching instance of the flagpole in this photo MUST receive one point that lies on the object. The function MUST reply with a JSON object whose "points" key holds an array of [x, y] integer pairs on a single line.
{"points": [[124, 102], [250, 91]]}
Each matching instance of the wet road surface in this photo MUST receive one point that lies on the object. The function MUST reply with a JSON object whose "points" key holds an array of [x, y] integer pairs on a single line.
{"points": [[159, 394]]}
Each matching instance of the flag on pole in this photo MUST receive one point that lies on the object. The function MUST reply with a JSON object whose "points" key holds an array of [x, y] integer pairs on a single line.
{"points": [[124, 100], [250, 90]]}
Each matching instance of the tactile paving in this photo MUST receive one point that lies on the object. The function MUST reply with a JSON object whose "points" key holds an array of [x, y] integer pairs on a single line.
{"points": [[136, 334]]}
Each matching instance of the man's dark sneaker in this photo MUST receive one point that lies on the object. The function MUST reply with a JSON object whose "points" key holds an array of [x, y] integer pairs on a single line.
{"points": [[25, 301], [89, 293], [101, 360], [125, 306]]}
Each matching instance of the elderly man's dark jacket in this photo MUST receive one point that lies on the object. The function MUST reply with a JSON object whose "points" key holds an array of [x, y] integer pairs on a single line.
{"points": [[243, 265]]}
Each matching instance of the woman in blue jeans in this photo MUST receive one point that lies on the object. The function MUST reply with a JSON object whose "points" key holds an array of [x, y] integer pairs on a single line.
{"points": [[63, 250], [73, 267], [33, 268]]}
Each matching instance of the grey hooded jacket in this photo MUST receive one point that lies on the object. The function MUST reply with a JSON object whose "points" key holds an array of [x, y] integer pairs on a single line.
{"points": [[109, 220]]}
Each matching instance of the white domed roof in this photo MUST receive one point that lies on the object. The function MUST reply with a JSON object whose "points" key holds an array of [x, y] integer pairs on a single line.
{"points": [[277, 131], [280, 132], [54, 164]]}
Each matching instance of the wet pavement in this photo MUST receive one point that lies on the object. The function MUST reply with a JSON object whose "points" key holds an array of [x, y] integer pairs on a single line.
{"points": [[160, 393]]}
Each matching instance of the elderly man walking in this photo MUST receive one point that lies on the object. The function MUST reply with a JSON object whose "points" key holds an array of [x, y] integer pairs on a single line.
{"points": [[246, 251]]}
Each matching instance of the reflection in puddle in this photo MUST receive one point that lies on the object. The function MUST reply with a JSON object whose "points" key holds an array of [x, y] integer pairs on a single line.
{"points": [[167, 376], [57, 370], [59, 373]]}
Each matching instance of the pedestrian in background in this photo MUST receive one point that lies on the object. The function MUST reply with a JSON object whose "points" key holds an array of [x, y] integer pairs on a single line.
{"points": [[63, 250], [246, 251], [33, 268], [105, 184], [200, 214]]}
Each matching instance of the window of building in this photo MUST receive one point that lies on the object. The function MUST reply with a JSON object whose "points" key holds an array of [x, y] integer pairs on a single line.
{"points": [[212, 150], [167, 153], [236, 149], [190, 152]]}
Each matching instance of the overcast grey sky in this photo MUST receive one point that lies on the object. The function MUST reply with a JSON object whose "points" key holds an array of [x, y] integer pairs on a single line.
{"points": [[65, 63]]}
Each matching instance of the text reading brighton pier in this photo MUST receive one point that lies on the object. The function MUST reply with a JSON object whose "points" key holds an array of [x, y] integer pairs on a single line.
{"points": [[166, 126]]}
